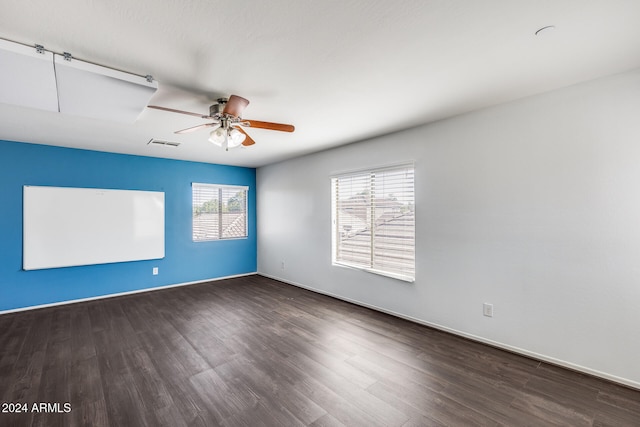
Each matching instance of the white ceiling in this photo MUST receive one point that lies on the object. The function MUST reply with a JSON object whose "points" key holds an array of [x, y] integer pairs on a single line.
{"points": [[340, 71]]}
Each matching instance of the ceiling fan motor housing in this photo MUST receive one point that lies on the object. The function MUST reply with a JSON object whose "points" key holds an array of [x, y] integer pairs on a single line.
{"points": [[217, 108]]}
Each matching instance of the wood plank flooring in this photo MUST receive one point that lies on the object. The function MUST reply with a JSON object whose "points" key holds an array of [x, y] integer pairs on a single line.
{"points": [[252, 351]]}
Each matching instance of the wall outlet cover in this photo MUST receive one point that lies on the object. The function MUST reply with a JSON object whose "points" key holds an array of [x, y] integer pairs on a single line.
{"points": [[487, 309]]}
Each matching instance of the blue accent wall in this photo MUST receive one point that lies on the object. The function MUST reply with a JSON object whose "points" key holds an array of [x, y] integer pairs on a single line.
{"points": [[185, 261]]}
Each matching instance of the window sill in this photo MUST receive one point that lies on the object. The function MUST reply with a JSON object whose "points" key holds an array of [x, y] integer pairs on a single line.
{"points": [[220, 240], [409, 279]]}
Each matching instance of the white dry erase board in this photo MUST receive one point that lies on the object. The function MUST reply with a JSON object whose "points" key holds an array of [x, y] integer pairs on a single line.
{"points": [[65, 226]]}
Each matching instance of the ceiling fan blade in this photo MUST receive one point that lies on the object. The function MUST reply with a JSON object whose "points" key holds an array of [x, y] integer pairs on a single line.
{"points": [[171, 110], [248, 140], [195, 128], [268, 125], [235, 105]]}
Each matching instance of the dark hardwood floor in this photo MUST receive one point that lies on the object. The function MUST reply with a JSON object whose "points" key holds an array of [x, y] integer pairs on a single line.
{"points": [[256, 352]]}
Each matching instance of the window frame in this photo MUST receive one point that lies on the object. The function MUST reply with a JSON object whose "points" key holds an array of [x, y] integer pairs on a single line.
{"points": [[220, 232], [335, 232]]}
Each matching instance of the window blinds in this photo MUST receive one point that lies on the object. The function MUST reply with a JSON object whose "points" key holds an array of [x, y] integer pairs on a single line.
{"points": [[219, 212], [374, 221]]}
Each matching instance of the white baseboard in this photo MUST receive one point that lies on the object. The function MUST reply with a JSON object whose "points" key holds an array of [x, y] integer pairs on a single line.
{"points": [[517, 350], [119, 294]]}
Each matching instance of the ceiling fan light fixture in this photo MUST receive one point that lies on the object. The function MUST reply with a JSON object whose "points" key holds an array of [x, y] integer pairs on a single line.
{"points": [[218, 136], [227, 138], [236, 138]]}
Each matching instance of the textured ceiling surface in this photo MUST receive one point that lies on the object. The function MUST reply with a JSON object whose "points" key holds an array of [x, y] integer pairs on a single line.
{"points": [[340, 71]]}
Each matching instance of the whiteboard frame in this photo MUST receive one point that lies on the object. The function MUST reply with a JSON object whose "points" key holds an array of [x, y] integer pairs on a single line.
{"points": [[69, 226]]}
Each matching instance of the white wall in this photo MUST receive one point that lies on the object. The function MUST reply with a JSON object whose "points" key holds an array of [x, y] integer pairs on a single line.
{"points": [[533, 206]]}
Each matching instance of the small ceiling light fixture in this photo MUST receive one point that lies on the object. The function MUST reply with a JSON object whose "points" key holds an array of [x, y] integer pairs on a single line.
{"points": [[545, 30]]}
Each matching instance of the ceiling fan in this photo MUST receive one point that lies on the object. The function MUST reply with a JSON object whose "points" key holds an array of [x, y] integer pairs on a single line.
{"points": [[227, 122]]}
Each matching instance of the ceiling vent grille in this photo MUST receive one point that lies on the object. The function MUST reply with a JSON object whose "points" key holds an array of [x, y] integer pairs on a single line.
{"points": [[161, 142]]}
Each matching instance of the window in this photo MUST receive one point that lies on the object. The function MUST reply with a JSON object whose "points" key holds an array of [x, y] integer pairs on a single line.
{"points": [[219, 212], [374, 221]]}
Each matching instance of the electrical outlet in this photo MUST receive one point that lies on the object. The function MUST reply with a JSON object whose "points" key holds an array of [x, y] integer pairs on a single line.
{"points": [[487, 309], [155, 271]]}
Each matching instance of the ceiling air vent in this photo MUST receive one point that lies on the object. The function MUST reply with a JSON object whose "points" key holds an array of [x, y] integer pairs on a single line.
{"points": [[161, 142]]}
